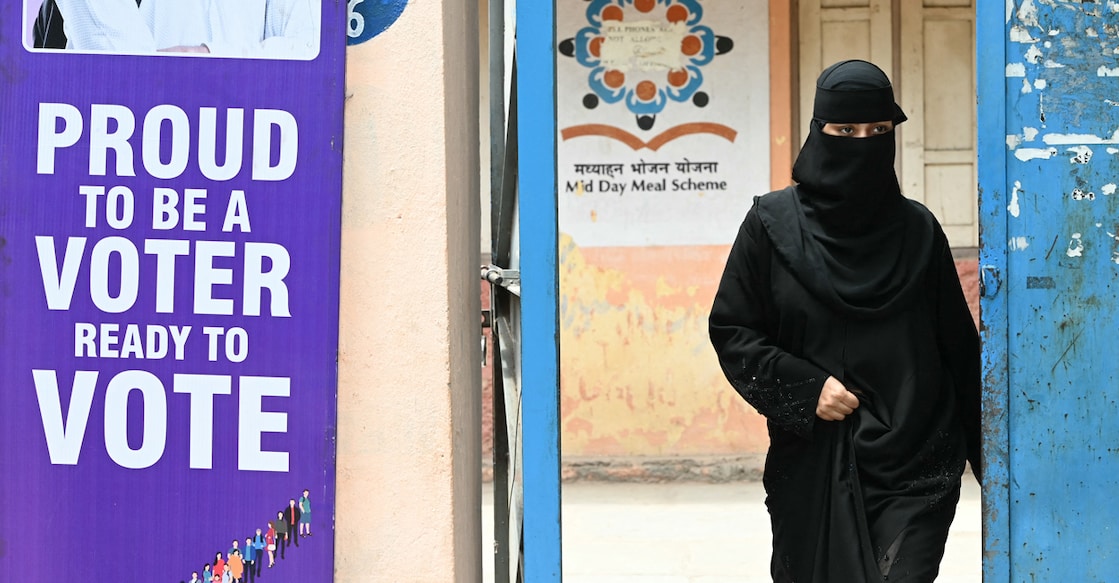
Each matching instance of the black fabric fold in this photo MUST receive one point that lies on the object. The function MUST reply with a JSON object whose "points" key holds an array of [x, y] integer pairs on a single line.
{"points": [[870, 274]]}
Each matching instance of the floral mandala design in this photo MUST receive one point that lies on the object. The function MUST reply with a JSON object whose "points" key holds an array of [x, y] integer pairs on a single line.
{"points": [[646, 90]]}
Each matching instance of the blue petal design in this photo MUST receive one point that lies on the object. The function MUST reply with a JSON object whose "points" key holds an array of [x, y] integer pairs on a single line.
{"points": [[694, 8], [646, 108], [694, 82], [707, 53], [601, 90], [582, 46], [595, 8]]}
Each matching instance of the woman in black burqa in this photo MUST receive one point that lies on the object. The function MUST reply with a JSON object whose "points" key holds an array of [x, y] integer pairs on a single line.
{"points": [[841, 319]]}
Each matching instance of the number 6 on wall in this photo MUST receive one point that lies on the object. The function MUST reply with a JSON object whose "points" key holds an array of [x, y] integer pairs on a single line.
{"points": [[356, 22]]}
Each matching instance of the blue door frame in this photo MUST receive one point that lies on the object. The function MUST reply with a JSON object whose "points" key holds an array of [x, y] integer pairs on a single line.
{"points": [[1048, 85], [538, 208], [991, 151]]}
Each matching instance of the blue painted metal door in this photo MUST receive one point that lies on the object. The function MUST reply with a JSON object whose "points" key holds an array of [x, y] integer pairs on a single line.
{"points": [[1049, 164]]}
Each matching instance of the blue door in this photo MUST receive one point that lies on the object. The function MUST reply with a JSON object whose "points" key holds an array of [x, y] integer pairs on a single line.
{"points": [[1049, 263]]}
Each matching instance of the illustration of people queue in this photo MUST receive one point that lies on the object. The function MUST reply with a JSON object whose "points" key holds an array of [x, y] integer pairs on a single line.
{"points": [[243, 564]]}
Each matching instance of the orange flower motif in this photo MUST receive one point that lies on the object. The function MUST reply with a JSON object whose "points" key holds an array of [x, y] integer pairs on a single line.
{"points": [[642, 75]]}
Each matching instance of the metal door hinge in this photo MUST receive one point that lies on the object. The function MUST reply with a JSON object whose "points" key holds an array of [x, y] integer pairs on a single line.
{"points": [[509, 279]]}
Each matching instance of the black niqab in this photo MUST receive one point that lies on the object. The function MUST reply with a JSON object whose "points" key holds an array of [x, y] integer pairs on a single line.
{"points": [[858, 237]]}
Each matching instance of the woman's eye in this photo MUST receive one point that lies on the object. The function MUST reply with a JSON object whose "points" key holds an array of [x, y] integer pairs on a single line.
{"points": [[847, 130], [881, 129]]}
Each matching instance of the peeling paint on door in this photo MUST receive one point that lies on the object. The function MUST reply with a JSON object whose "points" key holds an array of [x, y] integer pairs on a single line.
{"points": [[1051, 408]]}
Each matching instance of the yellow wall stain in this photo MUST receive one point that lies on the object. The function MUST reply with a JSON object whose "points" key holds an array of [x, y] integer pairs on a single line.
{"points": [[638, 374]]}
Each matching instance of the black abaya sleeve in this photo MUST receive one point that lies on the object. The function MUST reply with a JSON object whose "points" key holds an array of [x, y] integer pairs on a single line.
{"points": [[782, 387], [959, 347]]}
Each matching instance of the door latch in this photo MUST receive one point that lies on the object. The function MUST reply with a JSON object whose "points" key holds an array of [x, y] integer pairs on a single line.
{"points": [[990, 280], [509, 279]]}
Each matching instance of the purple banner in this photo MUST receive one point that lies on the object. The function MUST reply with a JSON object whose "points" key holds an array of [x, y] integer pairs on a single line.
{"points": [[169, 264]]}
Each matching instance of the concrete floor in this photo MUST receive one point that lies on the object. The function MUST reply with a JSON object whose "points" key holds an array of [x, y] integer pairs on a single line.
{"points": [[695, 533]]}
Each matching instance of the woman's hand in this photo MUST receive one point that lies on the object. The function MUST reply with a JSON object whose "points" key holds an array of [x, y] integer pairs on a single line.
{"points": [[835, 402]]}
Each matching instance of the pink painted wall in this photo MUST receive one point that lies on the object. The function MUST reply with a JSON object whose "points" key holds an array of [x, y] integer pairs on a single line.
{"points": [[409, 431], [640, 377]]}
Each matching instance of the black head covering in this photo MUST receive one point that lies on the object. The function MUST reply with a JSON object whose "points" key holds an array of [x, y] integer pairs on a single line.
{"points": [[855, 92], [848, 185], [848, 233]]}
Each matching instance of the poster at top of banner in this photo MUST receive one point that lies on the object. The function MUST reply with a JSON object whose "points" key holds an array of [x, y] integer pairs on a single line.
{"points": [[169, 266]]}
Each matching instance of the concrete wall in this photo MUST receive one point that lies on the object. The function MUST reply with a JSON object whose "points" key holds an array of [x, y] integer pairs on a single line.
{"points": [[409, 485]]}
